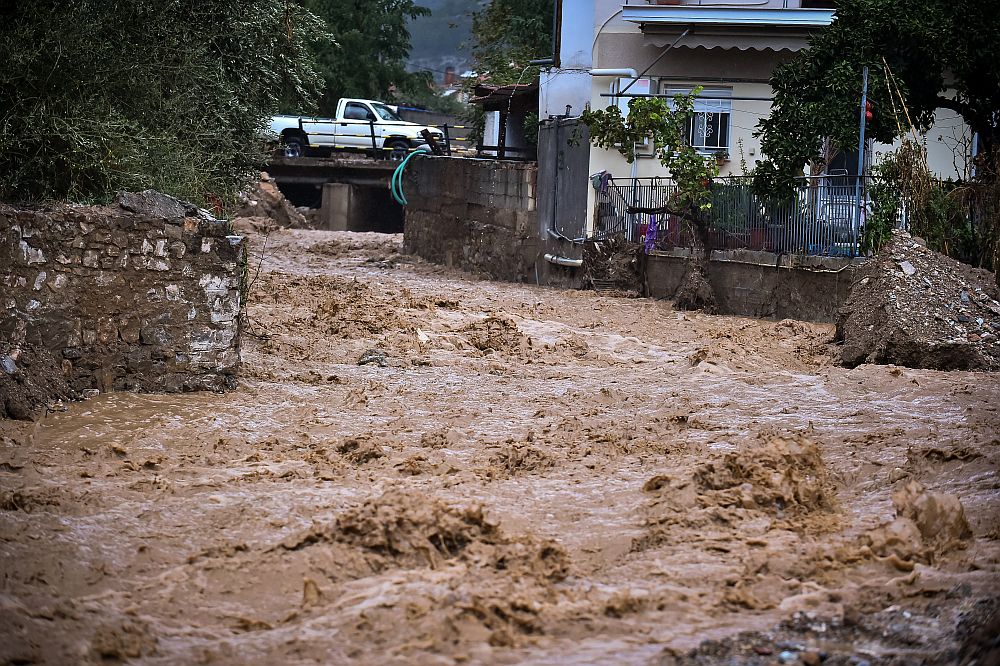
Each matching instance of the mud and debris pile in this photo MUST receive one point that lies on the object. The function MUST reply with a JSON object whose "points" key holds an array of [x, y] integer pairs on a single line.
{"points": [[408, 529], [695, 292], [927, 524], [782, 477], [496, 333], [30, 379], [612, 264], [915, 307], [263, 207]]}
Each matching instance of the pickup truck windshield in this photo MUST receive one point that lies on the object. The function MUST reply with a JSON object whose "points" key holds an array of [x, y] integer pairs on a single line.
{"points": [[385, 113]]}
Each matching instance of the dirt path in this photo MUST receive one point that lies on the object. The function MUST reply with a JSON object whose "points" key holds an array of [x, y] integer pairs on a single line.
{"points": [[514, 475]]}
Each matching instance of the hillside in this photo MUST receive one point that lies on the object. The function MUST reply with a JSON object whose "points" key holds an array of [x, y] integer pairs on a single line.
{"points": [[439, 40]]}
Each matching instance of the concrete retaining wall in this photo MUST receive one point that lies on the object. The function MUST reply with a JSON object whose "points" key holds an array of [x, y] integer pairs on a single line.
{"points": [[125, 300], [761, 284], [477, 215]]}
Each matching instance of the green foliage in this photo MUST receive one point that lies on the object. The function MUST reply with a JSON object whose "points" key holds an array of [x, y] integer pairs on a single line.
{"points": [[884, 190], [939, 212], [929, 46], [944, 223], [163, 94], [506, 34], [653, 118], [531, 128], [731, 204], [368, 61]]}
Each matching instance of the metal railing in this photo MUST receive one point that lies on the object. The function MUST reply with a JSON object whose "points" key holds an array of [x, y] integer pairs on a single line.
{"points": [[822, 217]]}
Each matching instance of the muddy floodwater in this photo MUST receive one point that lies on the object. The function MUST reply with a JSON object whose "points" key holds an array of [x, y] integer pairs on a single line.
{"points": [[423, 467]]}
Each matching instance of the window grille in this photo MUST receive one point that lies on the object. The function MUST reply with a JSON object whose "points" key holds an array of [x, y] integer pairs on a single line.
{"points": [[709, 128]]}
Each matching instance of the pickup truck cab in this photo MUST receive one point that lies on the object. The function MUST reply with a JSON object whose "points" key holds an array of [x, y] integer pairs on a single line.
{"points": [[357, 122]]}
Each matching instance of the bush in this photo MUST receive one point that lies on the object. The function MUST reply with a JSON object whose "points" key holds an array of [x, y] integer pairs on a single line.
{"points": [[171, 95]]}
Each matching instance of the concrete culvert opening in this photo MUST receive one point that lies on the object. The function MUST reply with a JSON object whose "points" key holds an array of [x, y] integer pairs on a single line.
{"points": [[360, 208], [302, 194], [346, 207]]}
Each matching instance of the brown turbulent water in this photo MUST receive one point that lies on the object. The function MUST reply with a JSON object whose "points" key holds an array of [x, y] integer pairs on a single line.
{"points": [[518, 475]]}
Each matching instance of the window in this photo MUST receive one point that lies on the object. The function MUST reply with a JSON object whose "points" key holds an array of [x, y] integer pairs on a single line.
{"points": [[708, 129], [356, 111], [385, 113]]}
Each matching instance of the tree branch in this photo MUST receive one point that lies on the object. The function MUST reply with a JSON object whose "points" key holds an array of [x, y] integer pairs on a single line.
{"points": [[961, 108]]}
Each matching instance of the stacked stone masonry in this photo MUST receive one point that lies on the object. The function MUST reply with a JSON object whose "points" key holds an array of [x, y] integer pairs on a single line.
{"points": [[473, 214], [127, 301]]}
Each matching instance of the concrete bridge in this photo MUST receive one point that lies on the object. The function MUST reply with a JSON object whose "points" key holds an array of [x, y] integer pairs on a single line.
{"points": [[351, 191]]}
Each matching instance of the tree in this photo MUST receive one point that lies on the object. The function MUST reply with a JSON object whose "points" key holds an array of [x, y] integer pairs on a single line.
{"points": [[917, 52], [164, 94], [507, 34], [373, 43]]}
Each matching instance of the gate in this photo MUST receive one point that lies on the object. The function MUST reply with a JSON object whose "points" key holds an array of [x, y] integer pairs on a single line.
{"points": [[563, 179]]}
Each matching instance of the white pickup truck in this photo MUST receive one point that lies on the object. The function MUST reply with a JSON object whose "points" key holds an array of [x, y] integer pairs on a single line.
{"points": [[356, 122]]}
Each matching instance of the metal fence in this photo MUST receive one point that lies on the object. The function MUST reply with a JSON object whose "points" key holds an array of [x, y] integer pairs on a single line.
{"points": [[821, 218]]}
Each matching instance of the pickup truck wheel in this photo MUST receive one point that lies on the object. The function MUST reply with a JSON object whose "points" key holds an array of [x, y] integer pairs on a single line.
{"points": [[400, 149], [294, 147]]}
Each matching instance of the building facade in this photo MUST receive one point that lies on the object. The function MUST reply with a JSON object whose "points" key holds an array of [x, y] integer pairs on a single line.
{"points": [[728, 48]]}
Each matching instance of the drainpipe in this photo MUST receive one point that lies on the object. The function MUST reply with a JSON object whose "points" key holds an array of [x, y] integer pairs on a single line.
{"points": [[622, 71], [563, 261]]}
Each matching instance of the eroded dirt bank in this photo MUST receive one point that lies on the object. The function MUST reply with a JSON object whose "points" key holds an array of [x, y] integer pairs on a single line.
{"points": [[513, 475]]}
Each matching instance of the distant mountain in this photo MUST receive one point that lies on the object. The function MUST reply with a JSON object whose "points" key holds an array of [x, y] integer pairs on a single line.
{"points": [[441, 39]]}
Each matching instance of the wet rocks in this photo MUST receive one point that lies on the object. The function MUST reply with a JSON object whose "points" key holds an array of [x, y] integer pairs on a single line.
{"points": [[151, 203], [374, 357], [918, 308]]}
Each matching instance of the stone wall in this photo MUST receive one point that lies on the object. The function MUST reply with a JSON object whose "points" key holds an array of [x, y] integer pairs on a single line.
{"points": [[474, 214], [760, 284], [126, 300]]}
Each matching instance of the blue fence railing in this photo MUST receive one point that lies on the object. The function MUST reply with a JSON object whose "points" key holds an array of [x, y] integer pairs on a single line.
{"points": [[822, 218]]}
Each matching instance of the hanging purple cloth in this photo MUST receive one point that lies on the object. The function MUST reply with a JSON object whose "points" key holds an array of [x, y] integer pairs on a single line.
{"points": [[605, 180], [650, 243]]}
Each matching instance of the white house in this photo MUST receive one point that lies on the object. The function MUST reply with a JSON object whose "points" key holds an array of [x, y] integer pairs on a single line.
{"points": [[729, 48]]}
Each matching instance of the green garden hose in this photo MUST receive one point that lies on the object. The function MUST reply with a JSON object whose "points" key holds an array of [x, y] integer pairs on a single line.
{"points": [[396, 182]]}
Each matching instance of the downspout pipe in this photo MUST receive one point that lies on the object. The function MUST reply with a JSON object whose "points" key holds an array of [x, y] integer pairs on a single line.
{"points": [[563, 261], [622, 71]]}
